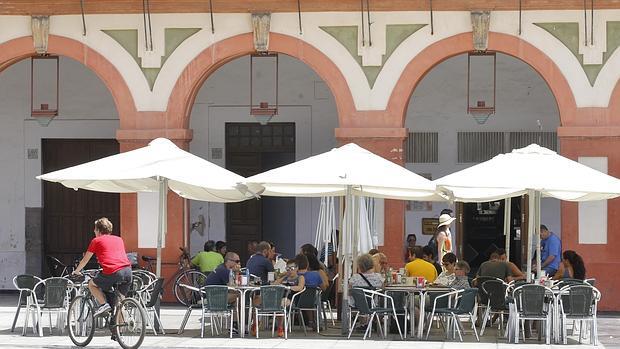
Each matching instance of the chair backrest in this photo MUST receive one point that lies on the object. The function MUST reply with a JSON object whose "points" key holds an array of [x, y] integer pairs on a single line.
{"points": [[530, 299], [443, 302], [216, 297], [155, 289], [467, 300], [496, 293], [271, 297], [310, 298], [579, 301], [55, 292], [591, 282], [361, 301], [400, 299], [327, 294], [478, 282], [568, 282], [25, 282], [55, 266]]}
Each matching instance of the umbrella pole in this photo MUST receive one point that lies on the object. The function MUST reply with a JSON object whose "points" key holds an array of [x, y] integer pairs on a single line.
{"points": [[507, 212], [531, 225], [537, 227], [348, 249], [161, 228]]}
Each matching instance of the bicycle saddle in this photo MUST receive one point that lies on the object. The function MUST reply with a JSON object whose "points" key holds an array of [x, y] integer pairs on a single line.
{"points": [[147, 258]]}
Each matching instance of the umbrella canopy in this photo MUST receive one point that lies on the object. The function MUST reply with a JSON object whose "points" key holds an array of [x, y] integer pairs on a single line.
{"points": [[154, 168], [514, 173], [330, 173], [138, 171]]}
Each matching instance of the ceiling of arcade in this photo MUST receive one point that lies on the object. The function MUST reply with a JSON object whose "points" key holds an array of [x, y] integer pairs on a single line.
{"points": [[57, 7], [589, 63]]}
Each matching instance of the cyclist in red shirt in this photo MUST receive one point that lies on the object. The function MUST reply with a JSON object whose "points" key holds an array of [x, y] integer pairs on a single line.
{"points": [[111, 255]]}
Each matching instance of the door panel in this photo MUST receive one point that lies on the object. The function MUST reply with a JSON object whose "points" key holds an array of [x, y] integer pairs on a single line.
{"points": [[68, 215]]}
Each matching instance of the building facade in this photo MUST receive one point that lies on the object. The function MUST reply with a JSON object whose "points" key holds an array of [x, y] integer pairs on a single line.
{"points": [[156, 79]]}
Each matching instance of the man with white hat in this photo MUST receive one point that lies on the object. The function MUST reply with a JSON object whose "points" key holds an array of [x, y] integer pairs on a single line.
{"points": [[444, 237]]}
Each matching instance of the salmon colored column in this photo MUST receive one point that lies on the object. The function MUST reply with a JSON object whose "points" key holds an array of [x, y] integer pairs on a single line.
{"points": [[602, 261], [129, 207], [388, 143]]}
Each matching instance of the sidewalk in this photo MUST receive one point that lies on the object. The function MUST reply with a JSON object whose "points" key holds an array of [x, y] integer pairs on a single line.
{"points": [[609, 335]]}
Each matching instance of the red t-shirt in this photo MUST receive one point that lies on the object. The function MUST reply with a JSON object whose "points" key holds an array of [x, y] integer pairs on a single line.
{"points": [[110, 252]]}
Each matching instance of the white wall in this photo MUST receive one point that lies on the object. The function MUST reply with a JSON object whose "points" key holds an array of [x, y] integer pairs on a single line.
{"points": [[439, 104], [303, 98], [86, 111]]}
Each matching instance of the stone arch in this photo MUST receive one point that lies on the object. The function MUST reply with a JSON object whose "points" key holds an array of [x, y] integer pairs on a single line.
{"points": [[436, 53], [209, 60], [17, 49]]}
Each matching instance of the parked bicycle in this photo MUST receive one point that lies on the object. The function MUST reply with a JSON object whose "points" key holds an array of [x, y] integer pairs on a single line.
{"points": [[126, 321], [186, 275]]}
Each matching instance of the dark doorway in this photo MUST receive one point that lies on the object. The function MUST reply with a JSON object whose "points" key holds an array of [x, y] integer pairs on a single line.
{"points": [[482, 231], [252, 148], [68, 214]]}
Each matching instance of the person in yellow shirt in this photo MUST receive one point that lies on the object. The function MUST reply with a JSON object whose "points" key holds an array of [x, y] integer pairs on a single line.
{"points": [[208, 259], [418, 266]]}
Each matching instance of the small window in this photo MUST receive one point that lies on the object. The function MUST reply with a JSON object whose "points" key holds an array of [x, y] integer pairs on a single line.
{"points": [[422, 147]]}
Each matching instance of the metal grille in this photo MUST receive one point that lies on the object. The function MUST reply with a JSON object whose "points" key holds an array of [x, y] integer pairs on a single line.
{"points": [[479, 146], [522, 139], [422, 147]]}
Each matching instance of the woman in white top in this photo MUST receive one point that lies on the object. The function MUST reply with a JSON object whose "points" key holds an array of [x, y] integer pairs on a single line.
{"points": [[443, 236], [446, 278]]}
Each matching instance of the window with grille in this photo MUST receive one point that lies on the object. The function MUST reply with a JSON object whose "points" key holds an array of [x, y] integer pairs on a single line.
{"points": [[479, 146], [422, 147], [548, 140]]}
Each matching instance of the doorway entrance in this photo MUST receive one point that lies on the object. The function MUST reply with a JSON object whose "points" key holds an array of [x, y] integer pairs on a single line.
{"points": [[68, 214], [252, 148], [481, 230]]}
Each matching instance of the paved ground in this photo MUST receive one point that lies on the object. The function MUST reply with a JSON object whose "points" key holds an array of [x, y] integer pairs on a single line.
{"points": [[609, 335]]}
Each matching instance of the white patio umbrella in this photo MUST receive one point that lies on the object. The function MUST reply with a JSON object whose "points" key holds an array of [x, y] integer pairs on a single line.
{"points": [[154, 168], [346, 171], [533, 170]]}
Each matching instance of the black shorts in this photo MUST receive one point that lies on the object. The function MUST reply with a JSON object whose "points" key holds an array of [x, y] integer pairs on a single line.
{"points": [[121, 279]]}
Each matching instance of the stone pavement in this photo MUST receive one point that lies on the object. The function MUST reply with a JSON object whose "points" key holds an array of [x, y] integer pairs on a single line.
{"points": [[609, 335]]}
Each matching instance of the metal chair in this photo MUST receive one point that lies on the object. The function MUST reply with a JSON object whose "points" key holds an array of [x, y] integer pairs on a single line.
{"points": [[532, 302], [465, 305], [401, 305], [309, 300], [149, 297], [482, 296], [366, 305], [272, 305], [55, 298], [579, 303], [215, 302], [326, 300], [25, 283], [496, 302]]}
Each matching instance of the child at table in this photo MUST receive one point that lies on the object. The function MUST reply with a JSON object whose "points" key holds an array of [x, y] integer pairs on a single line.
{"points": [[293, 280]]}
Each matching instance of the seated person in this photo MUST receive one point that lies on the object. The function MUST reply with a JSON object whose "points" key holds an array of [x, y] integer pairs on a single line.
{"points": [[221, 274], [494, 267], [419, 267], [293, 280], [208, 259], [448, 276], [365, 276], [315, 275], [515, 272], [461, 281], [221, 248], [572, 267], [259, 264], [381, 263], [429, 256]]}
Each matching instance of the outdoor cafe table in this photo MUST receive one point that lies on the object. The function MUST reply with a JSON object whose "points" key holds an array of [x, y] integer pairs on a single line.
{"points": [[412, 290], [243, 290]]}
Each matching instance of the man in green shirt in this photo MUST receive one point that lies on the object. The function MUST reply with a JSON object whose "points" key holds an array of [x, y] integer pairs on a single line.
{"points": [[208, 260]]}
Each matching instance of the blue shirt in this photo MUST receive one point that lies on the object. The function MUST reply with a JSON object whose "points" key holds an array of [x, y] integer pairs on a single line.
{"points": [[551, 246], [219, 276], [259, 265], [312, 279]]}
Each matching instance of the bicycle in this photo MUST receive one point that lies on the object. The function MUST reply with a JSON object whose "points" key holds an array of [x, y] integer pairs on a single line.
{"points": [[184, 275], [126, 321]]}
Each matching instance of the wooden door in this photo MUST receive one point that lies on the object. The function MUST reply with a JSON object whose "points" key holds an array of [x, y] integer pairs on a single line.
{"points": [[252, 148], [68, 215]]}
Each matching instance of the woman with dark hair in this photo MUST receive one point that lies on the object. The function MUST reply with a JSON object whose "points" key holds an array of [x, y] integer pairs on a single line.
{"points": [[316, 275], [572, 266], [447, 276], [220, 247], [308, 249]]}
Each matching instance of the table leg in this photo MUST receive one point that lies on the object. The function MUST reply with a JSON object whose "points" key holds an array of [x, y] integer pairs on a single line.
{"points": [[242, 315], [421, 317], [412, 313]]}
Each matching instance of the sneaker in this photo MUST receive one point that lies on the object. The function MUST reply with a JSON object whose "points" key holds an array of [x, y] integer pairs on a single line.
{"points": [[280, 332], [104, 308]]}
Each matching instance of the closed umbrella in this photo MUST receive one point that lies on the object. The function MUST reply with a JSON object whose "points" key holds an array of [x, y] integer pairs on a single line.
{"points": [[155, 168]]}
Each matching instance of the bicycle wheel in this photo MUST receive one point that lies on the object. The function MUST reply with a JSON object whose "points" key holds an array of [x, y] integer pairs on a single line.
{"points": [[81, 321], [130, 325], [191, 278]]}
